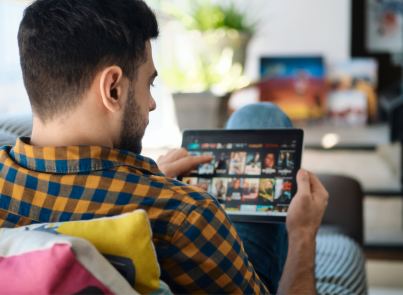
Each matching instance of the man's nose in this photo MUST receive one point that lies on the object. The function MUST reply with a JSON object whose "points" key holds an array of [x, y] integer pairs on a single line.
{"points": [[153, 104]]}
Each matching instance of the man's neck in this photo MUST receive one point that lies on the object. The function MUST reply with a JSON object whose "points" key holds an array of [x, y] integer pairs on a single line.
{"points": [[76, 130]]}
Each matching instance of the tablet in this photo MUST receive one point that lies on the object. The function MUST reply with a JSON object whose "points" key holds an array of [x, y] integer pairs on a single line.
{"points": [[253, 173]]}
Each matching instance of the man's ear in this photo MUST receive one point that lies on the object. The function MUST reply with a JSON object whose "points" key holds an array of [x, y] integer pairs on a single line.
{"points": [[112, 88]]}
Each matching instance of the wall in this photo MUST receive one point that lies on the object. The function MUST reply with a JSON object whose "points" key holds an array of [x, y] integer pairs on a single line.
{"points": [[301, 27], [13, 97]]}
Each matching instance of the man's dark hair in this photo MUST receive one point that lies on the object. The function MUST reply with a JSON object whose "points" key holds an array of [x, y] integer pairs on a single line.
{"points": [[65, 43]]}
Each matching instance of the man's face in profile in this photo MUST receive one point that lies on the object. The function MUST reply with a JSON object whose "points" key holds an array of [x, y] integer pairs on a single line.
{"points": [[139, 103], [237, 183], [269, 160]]}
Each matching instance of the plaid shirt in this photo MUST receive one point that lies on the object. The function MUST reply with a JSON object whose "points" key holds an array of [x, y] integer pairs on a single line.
{"points": [[198, 248]]}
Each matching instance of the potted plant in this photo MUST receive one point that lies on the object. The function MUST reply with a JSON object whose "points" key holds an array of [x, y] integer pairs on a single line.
{"points": [[219, 35]]}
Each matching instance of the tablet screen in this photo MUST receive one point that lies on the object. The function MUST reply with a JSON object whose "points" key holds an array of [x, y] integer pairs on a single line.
{"points": [[253, 172]]}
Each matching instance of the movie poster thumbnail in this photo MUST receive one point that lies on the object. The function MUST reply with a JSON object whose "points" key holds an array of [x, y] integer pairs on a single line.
{"points": [[265, 208], [207, 182], [234, 191], [190, 180], [220, 146], [253, 164], [269, 163], [194, 171], [250, 189], [279, 209], [207, 168], [283, 190], [272, 210], [266, 189], [232, 208], [282, 209], [237, 163], [286, 161], [249, 208], [219, 188], [221, 165]]}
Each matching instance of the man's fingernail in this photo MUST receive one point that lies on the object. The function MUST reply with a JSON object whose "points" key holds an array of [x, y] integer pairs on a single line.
{"points": [[304, 172]]}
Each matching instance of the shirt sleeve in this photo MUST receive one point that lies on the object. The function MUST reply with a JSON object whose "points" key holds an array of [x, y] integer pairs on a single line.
{"points": [[206, 256]]}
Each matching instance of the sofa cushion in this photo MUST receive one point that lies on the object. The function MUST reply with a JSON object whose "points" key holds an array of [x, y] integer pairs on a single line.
{"points": [[124, 240], [35, 262], [19, 125], [339, 265], [7, 138]]}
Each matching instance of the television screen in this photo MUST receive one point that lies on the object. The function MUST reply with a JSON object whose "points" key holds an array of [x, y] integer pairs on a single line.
{"points": [[296, 84]]}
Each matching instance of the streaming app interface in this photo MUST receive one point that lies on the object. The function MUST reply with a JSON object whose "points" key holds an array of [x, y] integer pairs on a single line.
{"points": [[253, 177]]}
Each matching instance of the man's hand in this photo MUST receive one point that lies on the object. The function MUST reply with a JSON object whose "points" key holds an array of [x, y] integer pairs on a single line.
{"points": [[178, 162], [307, 207], [303, 220]]}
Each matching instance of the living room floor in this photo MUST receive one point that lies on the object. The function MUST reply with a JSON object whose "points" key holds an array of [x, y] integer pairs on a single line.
{"points": [[383, 216]]}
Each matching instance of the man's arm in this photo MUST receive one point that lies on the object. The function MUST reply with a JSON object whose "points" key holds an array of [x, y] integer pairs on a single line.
{"points": [[304, 217], [299, 270]]}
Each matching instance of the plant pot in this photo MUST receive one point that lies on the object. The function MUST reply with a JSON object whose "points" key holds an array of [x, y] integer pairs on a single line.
{"points": [[201, 110]]}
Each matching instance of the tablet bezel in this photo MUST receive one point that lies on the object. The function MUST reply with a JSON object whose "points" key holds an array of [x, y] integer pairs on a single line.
{"points": [[296, 133]]}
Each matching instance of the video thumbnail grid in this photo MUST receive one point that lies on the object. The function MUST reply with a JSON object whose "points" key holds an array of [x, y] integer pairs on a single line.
{"points": [[270, 195], [257, 180], [236, 163]]}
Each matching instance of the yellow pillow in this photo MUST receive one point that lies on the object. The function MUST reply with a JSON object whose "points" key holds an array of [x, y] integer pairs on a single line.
{"points": [[125, 240]]}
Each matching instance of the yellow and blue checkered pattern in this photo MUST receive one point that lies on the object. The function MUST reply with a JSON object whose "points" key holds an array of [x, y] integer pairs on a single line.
{"points": [[197, 247]]}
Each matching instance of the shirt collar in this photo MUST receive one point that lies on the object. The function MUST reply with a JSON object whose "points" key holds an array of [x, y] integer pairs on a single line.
{"points": [[75, 159]]}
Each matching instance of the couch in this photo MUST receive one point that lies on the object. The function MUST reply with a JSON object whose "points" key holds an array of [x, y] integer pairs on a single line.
{"points": [[340, 263]]}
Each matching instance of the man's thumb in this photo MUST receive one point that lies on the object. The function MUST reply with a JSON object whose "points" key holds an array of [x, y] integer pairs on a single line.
{"points": [[303, 181]]}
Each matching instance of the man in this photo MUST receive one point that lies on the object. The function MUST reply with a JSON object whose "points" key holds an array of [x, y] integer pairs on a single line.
{"points": [[269, 161], [234, 191], [87, 68], [219, 190], [221, 165], [290, 163]]}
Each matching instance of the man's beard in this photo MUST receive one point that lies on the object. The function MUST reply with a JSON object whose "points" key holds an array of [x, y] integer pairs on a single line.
{"points": [[133, 125]]}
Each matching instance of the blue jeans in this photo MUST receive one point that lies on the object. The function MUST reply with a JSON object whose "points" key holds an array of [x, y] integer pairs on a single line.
{"points": [[265, 243]]}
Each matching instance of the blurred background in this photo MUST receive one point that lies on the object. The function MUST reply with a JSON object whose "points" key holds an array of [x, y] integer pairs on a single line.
{"points": [[334, 66]]}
